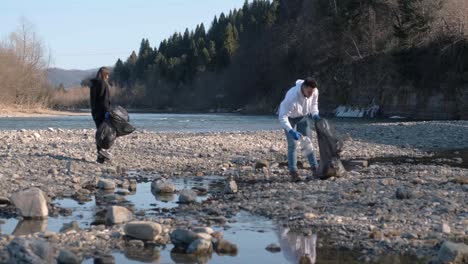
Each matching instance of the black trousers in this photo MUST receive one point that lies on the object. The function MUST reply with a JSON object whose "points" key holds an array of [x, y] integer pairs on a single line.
{"points": [[98, 122]]}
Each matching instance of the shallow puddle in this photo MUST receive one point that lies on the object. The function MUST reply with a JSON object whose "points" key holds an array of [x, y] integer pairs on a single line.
{"points": [[251, 234], [84, 213]]}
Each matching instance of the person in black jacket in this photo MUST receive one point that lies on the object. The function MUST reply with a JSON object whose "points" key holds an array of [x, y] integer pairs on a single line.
{"points": [[100, 105]]}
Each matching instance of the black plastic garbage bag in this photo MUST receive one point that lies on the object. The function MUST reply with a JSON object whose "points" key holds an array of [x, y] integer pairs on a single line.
{"points": [[330, 146], [120, 120], [106, 135]]}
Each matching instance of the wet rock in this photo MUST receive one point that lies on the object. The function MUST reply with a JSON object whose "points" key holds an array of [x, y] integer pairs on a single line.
{"points": [[230, 187], [125, 184], [143, 230], [34, 250], [217, 235], [67, 257], [403, 193], [182, 237], [207, 230], [273, 248], [133, 185], [105, 184], [162, 186], [187, 196], [204, 236], [31, 202], [225, 247], [70, 226], [123, 192], [262, 164], [444, 228], [455, 253], [105, 259], [376, 234], [200, 190], [200, 246], [118, 214], [53, 171], [4, 200]]}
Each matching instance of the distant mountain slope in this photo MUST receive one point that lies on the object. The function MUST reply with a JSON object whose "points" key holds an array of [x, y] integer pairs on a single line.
{"points": [[68, 78]]}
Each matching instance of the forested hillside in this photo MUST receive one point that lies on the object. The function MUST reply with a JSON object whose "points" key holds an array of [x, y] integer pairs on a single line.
{"points": [[406, 56]]}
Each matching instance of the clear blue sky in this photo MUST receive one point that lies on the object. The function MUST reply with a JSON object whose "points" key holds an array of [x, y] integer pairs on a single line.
{"points": [[84, 34]]}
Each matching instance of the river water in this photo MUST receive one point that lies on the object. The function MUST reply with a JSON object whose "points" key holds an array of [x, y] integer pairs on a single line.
{"points": [[153, 122]]}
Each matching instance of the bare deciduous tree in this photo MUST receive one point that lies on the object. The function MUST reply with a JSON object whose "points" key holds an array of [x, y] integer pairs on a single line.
{"points": [[23, 65]]}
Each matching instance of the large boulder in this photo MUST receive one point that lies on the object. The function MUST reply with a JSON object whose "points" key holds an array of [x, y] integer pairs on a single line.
{"points": [[200, 246], [143, 230], [105, 184], [182, 238], [68, 257], [118, 214], [187, 196], [32, 203], [162, 186], [35, 251]]}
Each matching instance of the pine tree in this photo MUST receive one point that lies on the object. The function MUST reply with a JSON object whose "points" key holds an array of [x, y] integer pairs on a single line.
{"points": [[230, 45]]}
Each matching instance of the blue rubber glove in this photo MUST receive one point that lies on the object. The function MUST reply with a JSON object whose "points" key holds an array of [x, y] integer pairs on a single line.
{"points": [[106, 116], [296, 135], [314, 117]]}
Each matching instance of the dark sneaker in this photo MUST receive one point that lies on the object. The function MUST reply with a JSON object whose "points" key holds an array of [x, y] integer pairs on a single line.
{"points": [[104, 154], [100, 160], [294, 176], [315, 174]]}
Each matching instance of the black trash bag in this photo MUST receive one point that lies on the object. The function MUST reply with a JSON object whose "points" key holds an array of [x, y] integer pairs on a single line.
{"points": [[330, 146], [119, 119], [106, 135]]}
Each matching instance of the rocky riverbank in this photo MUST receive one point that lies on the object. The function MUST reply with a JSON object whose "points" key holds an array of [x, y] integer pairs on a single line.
{"points": [[404, 207]]}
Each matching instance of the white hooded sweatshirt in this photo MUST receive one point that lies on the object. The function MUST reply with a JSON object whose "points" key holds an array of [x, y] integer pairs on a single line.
{"points": [[295, 104]]}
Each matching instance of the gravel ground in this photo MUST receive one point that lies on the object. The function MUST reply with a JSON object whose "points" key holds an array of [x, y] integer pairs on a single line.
{"points": [[402, 207]]}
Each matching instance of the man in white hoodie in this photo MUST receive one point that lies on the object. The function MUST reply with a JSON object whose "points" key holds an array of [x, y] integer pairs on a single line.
{"points": [[298, 108]]}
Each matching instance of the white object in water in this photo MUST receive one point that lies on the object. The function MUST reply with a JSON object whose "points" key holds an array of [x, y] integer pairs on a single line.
{"points": [[306, 146]]}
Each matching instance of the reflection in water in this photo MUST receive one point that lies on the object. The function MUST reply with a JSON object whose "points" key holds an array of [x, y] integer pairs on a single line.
{"points": [[26, 227], [165, 197], [180, 257], [147, 254], [296, 247]]}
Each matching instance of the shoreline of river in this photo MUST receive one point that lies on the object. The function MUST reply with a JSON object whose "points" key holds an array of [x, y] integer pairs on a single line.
{"points": [[16, 111]]}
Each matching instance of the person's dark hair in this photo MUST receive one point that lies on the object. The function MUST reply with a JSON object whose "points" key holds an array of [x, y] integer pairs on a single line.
{"points": [[310, 82], [100, 73]]}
